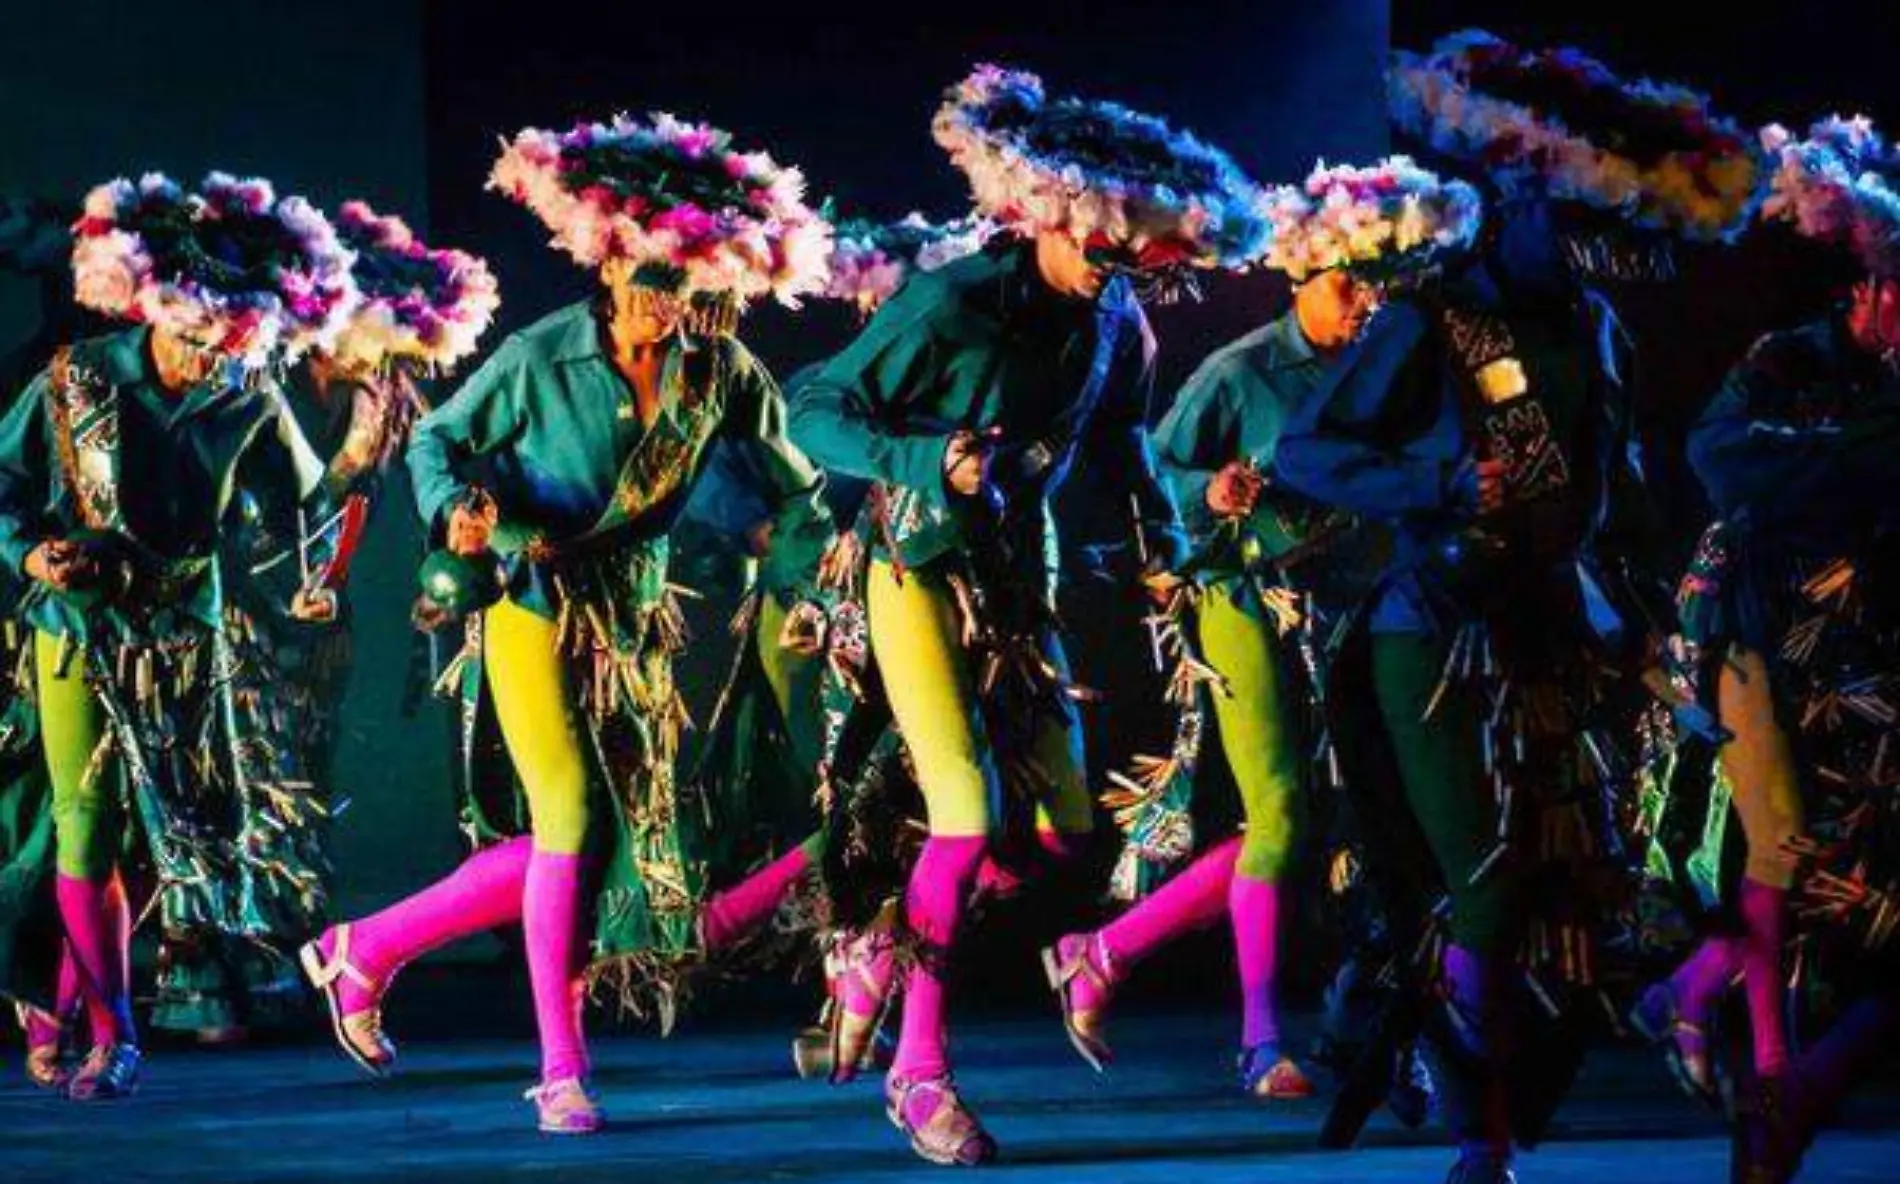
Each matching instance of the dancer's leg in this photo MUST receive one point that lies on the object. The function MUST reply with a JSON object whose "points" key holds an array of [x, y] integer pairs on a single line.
{"points": [[916, 636], [1759, 763], [534, 705]]}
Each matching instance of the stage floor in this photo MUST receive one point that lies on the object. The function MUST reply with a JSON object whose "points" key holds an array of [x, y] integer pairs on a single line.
{"points": [[710, 1107]]}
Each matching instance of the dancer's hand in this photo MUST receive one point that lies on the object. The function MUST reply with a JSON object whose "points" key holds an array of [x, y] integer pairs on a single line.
{"points": [[838, 567], [428, 616], [1235, 490], [804, 630], [315, 606], [62, 564], [1162, 587], [472, 524], [758, 540]]}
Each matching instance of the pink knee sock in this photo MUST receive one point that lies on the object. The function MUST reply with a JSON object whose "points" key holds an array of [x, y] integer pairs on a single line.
{"points": [[1255, 906], [1194, 899], [732, 915], [996, 882], [1764, 914], [97, 937], [1699, 982], [933, 907], [551, 923], [483, 893]]}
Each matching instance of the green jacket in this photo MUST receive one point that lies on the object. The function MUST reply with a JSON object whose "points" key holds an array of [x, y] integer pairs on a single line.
{"points": [[182, 460], [984, 345], [1234, 407], [548, 426]]}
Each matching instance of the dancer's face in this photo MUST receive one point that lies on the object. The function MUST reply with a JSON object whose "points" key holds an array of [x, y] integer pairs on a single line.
{"points": [[181, 361], [1334, 307], [1873, 315], [642, 314], [1065, 266]]}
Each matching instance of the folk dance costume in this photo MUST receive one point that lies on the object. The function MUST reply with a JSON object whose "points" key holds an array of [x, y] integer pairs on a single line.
{"points": [[1490, 425], [573, 449], [964, 401], [769, 737], [1338, 238], [421, 311], [118, 468], [1790, 635]]}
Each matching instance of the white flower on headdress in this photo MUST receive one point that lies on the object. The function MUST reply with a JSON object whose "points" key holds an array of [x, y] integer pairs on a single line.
{"points": [[1838, 185], [1702, 187], [1391, 216]]}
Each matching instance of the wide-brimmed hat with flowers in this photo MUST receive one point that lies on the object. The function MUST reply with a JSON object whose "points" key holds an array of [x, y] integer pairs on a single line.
{"points": [[1112, 178], [1379, 222], [230, 267], [1559, 123], [871, 260], [420, 304], [677, 201], [1839, 184]]}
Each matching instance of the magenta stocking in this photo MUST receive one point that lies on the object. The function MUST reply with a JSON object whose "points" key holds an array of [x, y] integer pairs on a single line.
{"points": [[1192, 900], [1255, 906], [551, 923], [940, 885], [734, 914], [96, 939], [1764, 915], [1699, 982], [483, 893]]}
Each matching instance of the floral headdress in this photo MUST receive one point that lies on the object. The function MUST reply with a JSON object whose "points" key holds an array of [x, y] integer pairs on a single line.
{"points": [[420, 303], [1111, 177], [676, 201], [1840, 185], [1557, 120], [231, 267], [1392, 217], [870, 260]]}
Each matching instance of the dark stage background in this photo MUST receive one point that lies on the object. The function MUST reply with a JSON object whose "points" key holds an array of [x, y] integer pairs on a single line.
{"points": [[403, 102]]}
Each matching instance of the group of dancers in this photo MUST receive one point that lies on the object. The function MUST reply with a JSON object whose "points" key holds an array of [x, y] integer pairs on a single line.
{"points": [[1394, 551]]}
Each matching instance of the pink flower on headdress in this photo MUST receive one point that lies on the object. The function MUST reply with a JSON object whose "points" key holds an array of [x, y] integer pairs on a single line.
{"points": [[687, 220], [107, 271]]}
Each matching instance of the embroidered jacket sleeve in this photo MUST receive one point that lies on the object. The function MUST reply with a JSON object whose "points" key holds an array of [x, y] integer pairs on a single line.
{"points": [[1758, 450], [486, 414], [1198, 436], [26, 480], [788, 487], [1121, 446], [863, 413], [1385, 440]]}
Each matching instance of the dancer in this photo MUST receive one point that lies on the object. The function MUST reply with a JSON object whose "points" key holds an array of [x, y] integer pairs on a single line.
{"points": [[964, 401], [117, 468], [767, 741], [571, 451], [354, 398], [1491, 429], [768, 723], [1253, 543], [1789, 618]]}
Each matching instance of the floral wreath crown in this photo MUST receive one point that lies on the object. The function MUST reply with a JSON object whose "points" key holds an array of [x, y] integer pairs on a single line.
{"points": [[1558, 120], [231, 267], [675, 200]]}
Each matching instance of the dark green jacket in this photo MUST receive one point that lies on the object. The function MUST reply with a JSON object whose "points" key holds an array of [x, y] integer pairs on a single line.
{"points": [[983, 345]]}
